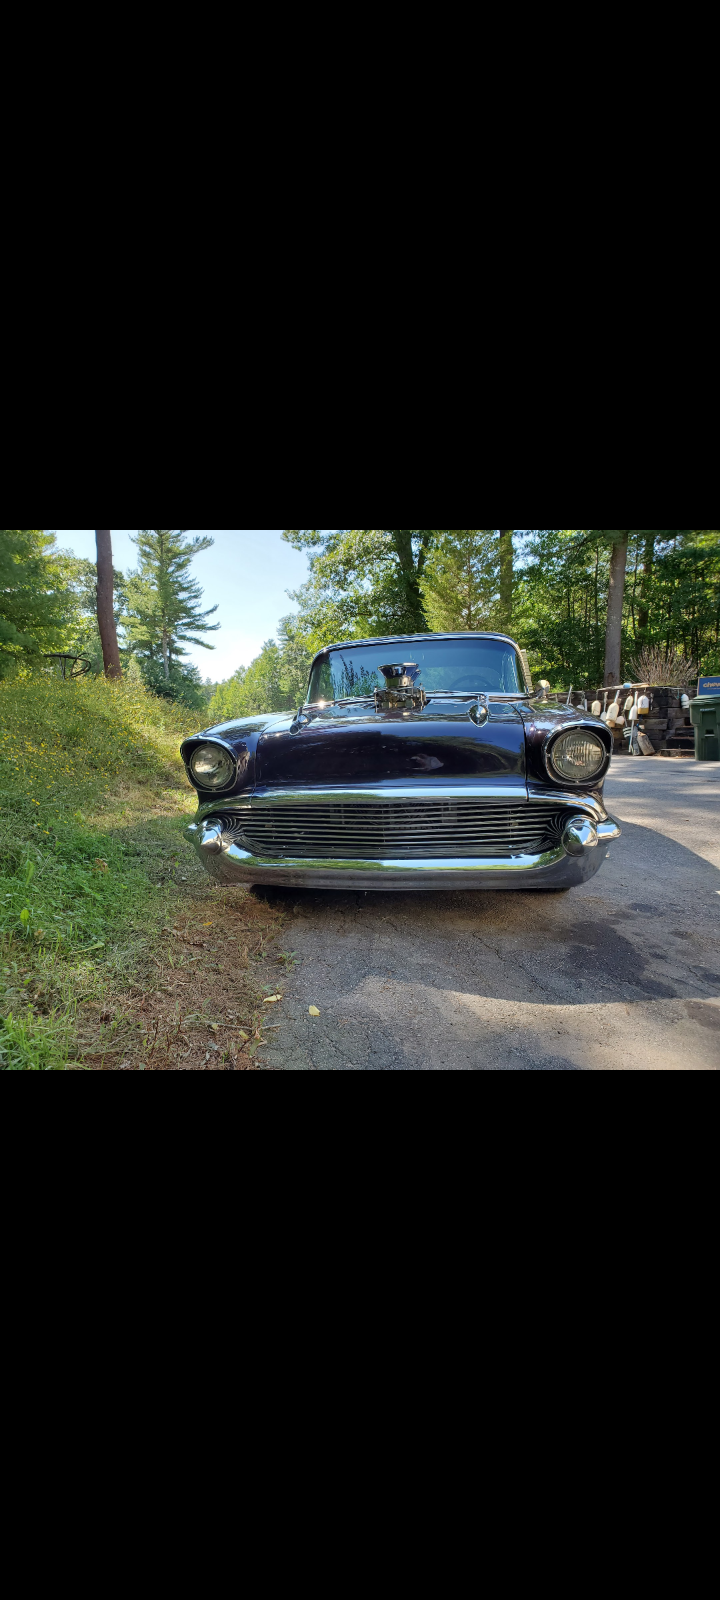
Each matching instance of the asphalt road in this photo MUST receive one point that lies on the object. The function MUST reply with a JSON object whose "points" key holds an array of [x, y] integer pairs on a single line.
{"points": [[621, 974]]}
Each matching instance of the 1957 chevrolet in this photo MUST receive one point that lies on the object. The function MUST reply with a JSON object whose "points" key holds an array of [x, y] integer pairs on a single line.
{"points": [[419, 762]]}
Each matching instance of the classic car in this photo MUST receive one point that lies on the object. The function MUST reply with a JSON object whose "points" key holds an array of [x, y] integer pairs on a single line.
{"points": [[425, 761]]}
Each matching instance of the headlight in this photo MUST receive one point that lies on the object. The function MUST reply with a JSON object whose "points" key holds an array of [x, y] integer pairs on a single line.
{"points": [[211, 767], [578, 755]]}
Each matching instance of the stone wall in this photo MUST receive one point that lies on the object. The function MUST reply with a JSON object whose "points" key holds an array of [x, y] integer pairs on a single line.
{"points": [[667, 725]]}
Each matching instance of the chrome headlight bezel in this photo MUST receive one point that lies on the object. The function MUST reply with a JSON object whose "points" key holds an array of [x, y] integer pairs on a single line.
{"points": [[203, 783], [557, 736]]}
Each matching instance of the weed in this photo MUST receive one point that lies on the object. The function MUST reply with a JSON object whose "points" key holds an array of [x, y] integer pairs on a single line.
{"points": [[31, 1044]]}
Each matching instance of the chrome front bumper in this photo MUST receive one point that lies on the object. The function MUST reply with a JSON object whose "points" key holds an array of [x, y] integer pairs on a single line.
{"points": [[583, 849]]}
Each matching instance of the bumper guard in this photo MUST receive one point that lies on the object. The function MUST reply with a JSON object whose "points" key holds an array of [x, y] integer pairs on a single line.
{"points": [[584, 846]]}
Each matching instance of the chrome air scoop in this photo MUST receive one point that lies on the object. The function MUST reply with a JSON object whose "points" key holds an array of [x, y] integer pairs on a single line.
{"points": [[401, 692]]}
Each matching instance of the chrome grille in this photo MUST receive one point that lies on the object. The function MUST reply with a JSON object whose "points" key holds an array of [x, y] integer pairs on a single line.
{"points": [[395, 828]]}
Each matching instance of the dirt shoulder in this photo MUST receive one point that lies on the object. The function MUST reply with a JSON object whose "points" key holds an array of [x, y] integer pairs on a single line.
{"points": [[207, 998]]}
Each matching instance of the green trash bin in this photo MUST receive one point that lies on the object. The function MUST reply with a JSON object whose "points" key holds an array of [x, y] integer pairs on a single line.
{"points": [[705, 713]]}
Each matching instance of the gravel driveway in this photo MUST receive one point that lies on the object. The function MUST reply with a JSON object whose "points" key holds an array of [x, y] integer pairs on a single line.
{"points": [[623, 973]]}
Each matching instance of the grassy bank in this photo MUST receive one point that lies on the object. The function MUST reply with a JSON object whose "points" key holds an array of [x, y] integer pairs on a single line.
{"points": [[93, 798], [116, 950]]}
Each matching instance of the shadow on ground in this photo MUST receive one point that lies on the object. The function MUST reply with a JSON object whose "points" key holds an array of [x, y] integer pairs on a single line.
{"points": [[622, 973]]}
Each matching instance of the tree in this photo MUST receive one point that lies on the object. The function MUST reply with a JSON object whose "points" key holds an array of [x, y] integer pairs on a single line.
{"points": [[228, 700], [163, 600], [684, 596], [411, 547], [295, 661], [253, 689], [363, 582], [105, 612], [83, 635], [506, 579], [36, 606], [569, 602], [613, 636], [275, 681], [460, 585], [646, 589], [184, 684], [562, 599], [560, 593], [569, 595]]}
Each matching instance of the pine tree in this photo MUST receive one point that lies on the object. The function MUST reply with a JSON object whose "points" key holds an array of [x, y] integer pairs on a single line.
{"points": [[461, 580], [164, 611]]}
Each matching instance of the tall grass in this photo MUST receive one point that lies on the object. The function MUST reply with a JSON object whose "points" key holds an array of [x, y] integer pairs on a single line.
{"points": [[33, 1044], [92, 800]]}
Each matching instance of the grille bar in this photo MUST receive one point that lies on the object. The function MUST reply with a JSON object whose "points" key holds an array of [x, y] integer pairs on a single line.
{"points": [[396, 829]]}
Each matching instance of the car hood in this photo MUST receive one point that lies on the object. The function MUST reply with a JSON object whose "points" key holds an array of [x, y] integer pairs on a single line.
{"points": [[342, 746]]}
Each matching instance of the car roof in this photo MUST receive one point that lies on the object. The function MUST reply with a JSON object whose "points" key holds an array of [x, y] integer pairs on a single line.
{"points": [[411, 638]]}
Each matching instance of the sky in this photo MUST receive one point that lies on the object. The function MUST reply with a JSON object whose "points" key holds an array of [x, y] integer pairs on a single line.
{"points": [[246, 574]]}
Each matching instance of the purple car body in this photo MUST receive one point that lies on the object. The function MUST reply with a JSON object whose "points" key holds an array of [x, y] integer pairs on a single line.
{"points": [[416, 762]]}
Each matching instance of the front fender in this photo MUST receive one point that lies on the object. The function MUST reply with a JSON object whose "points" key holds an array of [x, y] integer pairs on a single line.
{"points": [[541, 722], [241, 737]]}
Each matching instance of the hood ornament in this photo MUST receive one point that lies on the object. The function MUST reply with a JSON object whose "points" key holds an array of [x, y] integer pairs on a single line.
{"points": [[479, 712], [401, 692]]}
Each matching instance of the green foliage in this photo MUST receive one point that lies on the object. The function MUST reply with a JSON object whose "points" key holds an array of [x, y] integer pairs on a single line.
{"points": [[363, 582], [460, 584], [182, 684], [373, 582], [228, 700], [561, 597], [682, 595], [251, 689], [672, 599], [82, 636], [275, 681], [296, 659], [36, 605], [163, 601]]}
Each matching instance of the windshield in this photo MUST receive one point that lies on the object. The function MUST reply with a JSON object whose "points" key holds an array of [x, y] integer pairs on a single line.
{"points": [[474, 666]]}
